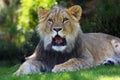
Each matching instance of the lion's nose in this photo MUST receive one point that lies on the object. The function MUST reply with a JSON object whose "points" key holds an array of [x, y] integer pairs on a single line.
{"points": [[57, 29]]}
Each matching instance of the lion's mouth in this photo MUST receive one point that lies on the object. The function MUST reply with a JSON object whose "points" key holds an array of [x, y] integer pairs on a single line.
{"points": [[58, 41]]}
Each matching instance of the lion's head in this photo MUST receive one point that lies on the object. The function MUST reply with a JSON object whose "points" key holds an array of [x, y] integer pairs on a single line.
{"points": [[59, 27]]}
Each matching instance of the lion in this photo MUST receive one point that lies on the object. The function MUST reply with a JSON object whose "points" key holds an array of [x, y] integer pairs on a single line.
{"points": [[64, 47]]}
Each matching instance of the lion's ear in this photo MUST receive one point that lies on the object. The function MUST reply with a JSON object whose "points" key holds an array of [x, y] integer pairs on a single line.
{"points": [[42, 12], [76, 11]]}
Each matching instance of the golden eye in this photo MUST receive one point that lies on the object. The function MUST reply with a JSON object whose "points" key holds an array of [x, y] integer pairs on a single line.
{"points": [[50, 21], [65, 20]]}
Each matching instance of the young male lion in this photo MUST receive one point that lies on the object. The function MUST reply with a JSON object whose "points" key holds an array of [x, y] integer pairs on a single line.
{"points": [[63, 46]]}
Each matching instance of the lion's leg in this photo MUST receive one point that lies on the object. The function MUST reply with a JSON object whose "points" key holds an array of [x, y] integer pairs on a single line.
{"points": [[29, 67], [72, 65], [116, 46]]}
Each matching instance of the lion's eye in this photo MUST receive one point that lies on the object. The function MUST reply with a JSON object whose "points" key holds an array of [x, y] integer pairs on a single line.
{"points": [[65, 20], [50, 21]]}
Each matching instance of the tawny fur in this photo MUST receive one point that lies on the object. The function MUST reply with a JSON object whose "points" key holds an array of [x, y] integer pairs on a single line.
{"points": [[82, 51]]}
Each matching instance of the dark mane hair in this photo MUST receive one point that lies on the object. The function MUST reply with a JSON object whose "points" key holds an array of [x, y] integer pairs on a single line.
{"points": [[51, 57]]}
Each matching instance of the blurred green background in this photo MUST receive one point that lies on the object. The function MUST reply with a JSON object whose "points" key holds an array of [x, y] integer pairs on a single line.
{"points": [[18, 21]]}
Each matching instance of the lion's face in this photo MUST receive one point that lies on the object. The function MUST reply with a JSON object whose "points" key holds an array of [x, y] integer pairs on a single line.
{"points": [[58, 28]]}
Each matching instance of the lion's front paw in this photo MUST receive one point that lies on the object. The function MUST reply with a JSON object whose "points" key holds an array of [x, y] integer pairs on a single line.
{"points": [[58, 68], [62, 67], [29, 67]]}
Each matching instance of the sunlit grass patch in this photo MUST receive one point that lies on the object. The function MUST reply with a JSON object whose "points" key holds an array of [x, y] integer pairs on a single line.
{"points": [[98, 73]]}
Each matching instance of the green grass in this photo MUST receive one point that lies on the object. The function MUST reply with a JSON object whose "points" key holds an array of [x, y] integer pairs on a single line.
{"points": [[98, 73]]}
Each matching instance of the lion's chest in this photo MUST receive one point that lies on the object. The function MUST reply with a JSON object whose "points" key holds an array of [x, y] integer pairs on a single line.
{"points": [[52, 59]]}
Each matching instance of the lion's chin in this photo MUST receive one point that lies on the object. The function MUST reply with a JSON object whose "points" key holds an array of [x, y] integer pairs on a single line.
{"points": [[59, 48]]}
